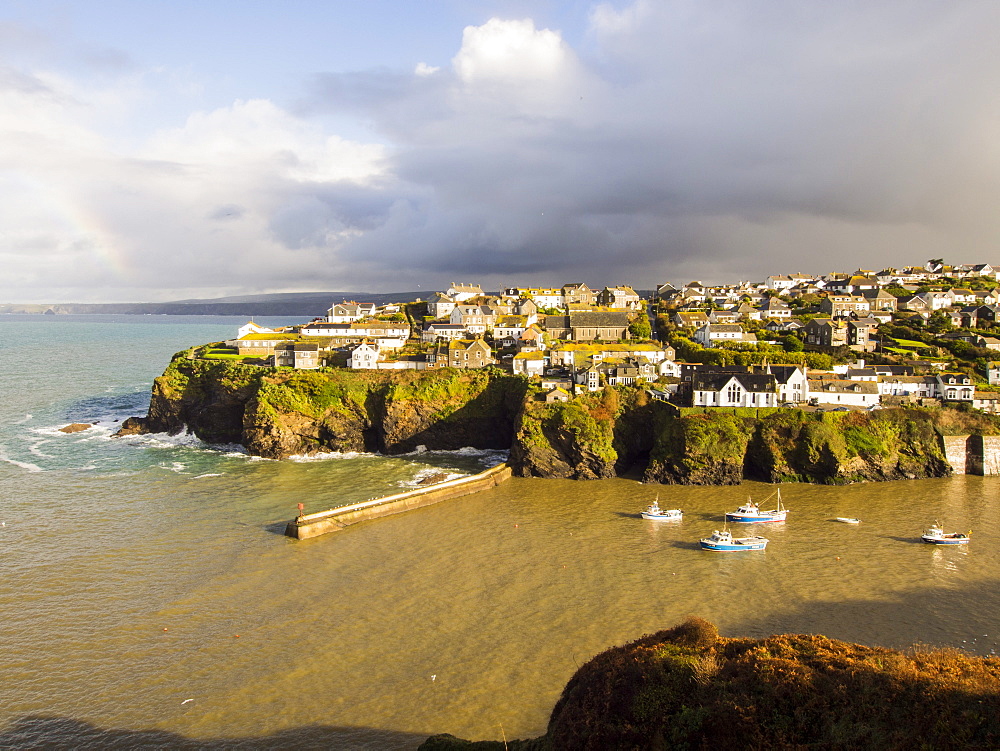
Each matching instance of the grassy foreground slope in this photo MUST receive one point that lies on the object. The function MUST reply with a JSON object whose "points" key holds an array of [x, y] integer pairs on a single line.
{"points": [[689, 688]]}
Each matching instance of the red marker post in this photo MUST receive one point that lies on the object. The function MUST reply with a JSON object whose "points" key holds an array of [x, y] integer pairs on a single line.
{"points": [[302, 508]]}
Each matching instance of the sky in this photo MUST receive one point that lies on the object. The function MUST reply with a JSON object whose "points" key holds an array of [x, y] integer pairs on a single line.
{"points": [[155, 151]]}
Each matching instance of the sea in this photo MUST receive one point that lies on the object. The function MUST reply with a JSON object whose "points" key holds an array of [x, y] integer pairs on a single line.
{"points": [[148, 596]]}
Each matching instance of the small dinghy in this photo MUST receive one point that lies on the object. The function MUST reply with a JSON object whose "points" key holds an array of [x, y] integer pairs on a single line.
{"points": [[937, 536], [848, 520], [655, 513]]}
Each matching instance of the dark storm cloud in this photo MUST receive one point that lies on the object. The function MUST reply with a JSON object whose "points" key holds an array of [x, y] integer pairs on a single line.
{"points": [[708, 133]]}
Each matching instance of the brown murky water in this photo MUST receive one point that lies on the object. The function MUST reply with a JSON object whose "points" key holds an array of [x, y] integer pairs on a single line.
{"points": [[462, 617]]}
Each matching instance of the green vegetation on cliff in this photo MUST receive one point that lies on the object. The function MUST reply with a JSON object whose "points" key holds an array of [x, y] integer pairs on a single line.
{"points": [[278, 412], [689, 688]]}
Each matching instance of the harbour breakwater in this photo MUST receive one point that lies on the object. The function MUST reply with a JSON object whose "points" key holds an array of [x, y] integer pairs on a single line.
{"points": [[278, 412], [312, 525]]}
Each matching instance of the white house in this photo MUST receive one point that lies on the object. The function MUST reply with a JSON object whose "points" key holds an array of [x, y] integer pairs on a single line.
{"points": [[712, 334], [792, 382], [364, 357], [843, 393], [252, 328], [733, 390], [955, 387], [348, 312]]}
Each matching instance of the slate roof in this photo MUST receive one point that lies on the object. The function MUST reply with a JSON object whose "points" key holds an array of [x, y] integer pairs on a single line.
{"points": [[756, 383], [589, 319]]}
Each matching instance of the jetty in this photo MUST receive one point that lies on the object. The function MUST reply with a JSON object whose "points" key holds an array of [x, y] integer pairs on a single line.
{"points": [[312, 525]]}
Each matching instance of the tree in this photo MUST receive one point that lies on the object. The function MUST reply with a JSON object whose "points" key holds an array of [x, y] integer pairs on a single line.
{"points": [[640, 328]]}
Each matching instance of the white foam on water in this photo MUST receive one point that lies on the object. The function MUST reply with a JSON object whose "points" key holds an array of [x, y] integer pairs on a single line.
{"points": [[423, 474], [328, 455], [35, 449], [21, 422], [23, 465], [210, 474]]}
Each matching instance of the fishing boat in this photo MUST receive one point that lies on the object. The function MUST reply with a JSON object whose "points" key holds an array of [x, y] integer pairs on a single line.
{"points": [[750, 513], [725, 542], [848, 520], [654, 512], [937, 536]]}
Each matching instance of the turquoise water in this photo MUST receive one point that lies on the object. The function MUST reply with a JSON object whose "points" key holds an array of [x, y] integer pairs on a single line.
{"points": [[149, 598]]}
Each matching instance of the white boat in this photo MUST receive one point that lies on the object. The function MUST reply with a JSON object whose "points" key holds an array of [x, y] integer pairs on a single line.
{"points": [[848, 520], [725, 542], [937, 536], [750, 513], [654, 512]]}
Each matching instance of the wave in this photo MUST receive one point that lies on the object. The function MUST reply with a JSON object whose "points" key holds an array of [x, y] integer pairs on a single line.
{"points": [[34, 449], [23, 465], [423, 476], [487, 457], [21, 422], [210, 474], [328, 455]]}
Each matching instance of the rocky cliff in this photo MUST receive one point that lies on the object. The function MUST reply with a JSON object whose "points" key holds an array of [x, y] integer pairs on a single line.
{"points": [[280, 412]]}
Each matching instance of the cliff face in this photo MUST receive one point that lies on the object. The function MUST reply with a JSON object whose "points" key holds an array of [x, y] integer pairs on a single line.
{"points": [[278, 413], [795, 446]]}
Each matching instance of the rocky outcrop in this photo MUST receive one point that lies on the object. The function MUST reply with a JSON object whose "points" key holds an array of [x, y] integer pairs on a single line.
{"points": [[278, 413]]}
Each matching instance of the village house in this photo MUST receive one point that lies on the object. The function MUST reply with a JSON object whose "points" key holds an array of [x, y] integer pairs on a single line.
{"points": [[842, 306], [252, 328], [461, 353], [435, 332], [987, 401], [914, 387], [774, 307], [440, 305], [349, 312], [544, 297], [712, 335], [955, 387], [462, 292], [843, 393], [578, 293], [300, 355], [733, 390], [587, 326], [364, 357], [825, 332], [690, 320], [477, 319], [791, 383], [624, 298], [880, 300], [529, 363]]}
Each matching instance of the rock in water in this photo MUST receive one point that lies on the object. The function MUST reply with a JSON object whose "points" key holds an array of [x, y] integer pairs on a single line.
{"points": [[132, 426], [76, 427]]}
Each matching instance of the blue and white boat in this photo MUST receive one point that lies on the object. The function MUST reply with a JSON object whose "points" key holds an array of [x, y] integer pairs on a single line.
{"points": [[937, 536], [655, 513], [725, 542], [750, 513]]}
